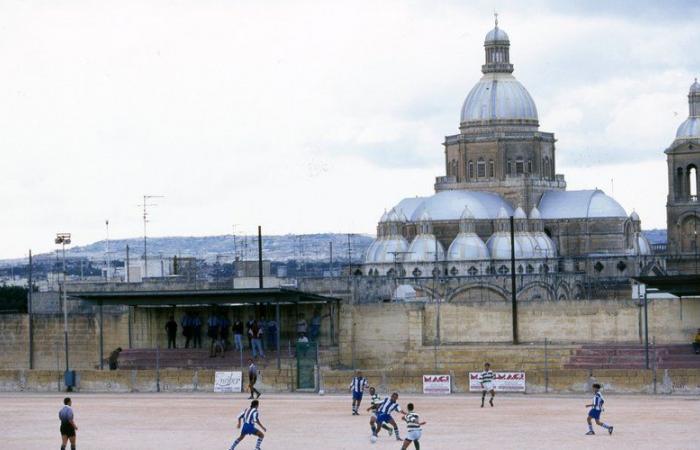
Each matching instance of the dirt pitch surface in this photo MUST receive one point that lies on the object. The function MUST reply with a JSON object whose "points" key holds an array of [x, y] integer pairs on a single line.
{"points": [[308, 421]]}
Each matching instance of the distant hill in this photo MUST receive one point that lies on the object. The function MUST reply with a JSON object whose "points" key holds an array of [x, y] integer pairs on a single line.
{"points": [[655, 236], [308, 247]]}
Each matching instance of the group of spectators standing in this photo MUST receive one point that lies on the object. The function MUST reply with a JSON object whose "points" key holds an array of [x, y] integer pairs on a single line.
{"points": [[259, 333]]}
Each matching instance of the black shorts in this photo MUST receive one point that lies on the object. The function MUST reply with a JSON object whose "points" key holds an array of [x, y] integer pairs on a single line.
{"points": [[67, 429]]}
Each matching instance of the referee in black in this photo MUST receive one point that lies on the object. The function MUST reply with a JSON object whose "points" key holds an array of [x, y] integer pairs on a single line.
{"points": [[253, 378], [68, 427]]}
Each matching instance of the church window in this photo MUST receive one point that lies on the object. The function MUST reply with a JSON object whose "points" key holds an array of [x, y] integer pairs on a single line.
{"points": [[679, 182], [481, 168], [436, 272], [693, 183], [530, 269], [519, 167], [472, 271], [545, 268], [529, 166], [599, 267], [509, 168], [471, 169], [390, 273], [417, 272], [546, 167], [503, 270], [520, 269], [621, 266], [454, 271], [492, 171]]}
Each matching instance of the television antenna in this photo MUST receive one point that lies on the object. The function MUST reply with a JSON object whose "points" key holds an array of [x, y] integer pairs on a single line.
{"points": [[146, 205]]}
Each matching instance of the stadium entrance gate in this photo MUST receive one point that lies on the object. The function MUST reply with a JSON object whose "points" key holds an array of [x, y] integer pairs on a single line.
{"points": [[307, 358]]}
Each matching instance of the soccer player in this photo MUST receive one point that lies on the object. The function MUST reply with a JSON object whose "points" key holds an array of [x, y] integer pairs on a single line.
{"points": [[413, 425], [252, 379], [486, 380], [383, 415], [68, 426], [375, 401], [250, 418], [596, 410], [357, 387]]}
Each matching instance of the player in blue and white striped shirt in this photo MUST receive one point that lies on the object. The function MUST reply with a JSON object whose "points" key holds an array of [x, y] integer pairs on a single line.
{"points": [[357, 387], [250, 418], [596, 410], [383, 414]]}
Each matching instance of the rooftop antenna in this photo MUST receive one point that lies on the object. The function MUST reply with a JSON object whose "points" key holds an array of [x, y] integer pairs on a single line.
{"points": [[107, 249], [145, 206]]}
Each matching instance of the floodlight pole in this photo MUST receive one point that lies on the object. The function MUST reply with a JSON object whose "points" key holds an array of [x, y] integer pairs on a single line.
{"points": [[63, 239], [646, 329]]}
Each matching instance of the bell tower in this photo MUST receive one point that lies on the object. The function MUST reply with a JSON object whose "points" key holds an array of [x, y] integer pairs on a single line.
{"points": [[683, 205]]}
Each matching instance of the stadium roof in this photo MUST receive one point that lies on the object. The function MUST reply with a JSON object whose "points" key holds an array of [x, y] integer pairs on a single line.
{"points": [[678, 285]]}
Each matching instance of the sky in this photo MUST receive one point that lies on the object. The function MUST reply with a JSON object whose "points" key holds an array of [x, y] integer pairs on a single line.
{"points": [[311, 116]]}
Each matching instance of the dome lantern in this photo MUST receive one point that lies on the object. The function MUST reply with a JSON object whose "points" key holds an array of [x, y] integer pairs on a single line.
{"points": [[497, 48]]}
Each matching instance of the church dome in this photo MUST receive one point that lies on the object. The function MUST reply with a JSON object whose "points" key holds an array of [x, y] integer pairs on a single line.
{"points": [[498, 96], [689, 129], [449, 205], [422, 249], [386, 249], [496, 35], [584, 204], [467, 247], [695, 87]]}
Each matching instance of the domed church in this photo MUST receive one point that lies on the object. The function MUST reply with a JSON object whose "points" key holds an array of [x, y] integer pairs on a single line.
{"points": [[501, 165]]}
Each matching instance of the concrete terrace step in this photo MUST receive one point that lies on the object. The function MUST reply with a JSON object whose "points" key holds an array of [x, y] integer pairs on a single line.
{"points": [[632, 357]]}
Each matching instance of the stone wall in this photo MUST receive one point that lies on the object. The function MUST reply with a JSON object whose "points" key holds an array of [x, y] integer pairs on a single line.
{"points": [[555, 381]]}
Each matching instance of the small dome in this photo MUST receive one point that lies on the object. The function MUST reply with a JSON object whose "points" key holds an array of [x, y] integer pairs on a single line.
{"points": [[519, 213], [634, 216], [643, 247], [535, 214], [503, 214], [467, 247], [422, 249], [496, 35], [498, 96], [544, 246], [499, 246], [467, 214], [424, 217], [695, 87], [385, 249], [689, 129]]}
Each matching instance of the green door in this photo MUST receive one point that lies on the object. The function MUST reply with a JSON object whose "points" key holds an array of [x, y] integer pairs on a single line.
{"points": [[306, 362]]}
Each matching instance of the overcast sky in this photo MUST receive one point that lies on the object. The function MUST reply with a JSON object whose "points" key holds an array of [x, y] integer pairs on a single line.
{"points": [[311, 116]]}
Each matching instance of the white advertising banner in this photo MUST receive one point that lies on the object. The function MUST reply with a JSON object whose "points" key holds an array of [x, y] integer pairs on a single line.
{"points": [[502, 382], [228, 381], [437, 384]]}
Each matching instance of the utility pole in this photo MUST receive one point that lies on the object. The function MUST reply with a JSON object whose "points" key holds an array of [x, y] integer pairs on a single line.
{"points": [[31, 314], [512, 281], [260, 258], [349, 256], [145, 205], [107, 249], [127, 263]]}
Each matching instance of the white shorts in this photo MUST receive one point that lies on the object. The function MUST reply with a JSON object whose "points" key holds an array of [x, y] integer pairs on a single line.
{"points": [[413, 435], [487, 386]]}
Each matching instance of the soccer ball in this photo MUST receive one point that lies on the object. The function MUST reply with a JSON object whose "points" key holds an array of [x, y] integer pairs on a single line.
{"points": [[373, 439]]}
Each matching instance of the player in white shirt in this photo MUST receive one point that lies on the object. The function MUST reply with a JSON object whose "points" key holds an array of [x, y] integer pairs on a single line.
{"points": [[486, 379], [413, 428]]}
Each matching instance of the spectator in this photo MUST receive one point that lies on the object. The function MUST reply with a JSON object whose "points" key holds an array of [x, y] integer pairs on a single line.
{"points": [[225, 325], [303, 339], [238, 334], [171, 329], [219, 346], [256, 334], [315, 325], [301, 325], [696, 343], [114, 359], [303, 345], [248, 326], [262, 324], [212, 332], [187, 329], [197, 331], [271, 333]]}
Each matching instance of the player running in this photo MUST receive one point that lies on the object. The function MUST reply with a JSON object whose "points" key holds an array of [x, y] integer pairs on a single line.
{"points": [[486, 379], [250, 417], [68, 426], [375, 402], [413, 425], [383, 415], [357, 387], [596, 410]]}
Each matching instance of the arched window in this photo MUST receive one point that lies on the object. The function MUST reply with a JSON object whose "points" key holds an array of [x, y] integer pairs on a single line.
{"points": [[472, 271], [693, 183], [679, 183], [546, 167], [454, 271], [417, 272], [529, 166], [471, 170], [509, 168], [492, 170], [481, 168]]}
